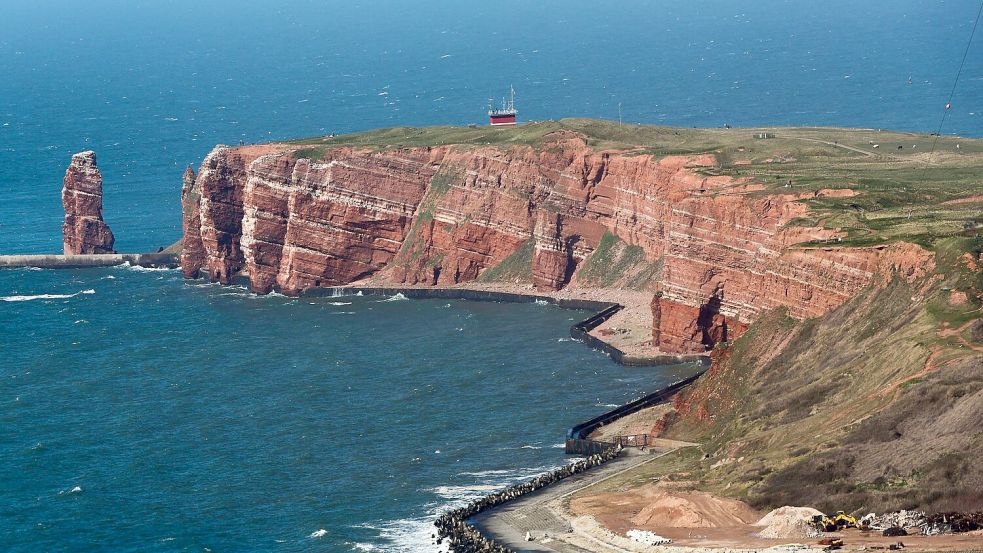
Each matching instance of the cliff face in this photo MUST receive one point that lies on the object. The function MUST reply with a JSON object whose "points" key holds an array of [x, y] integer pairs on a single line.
{"points": [[444, 215], [84, 231]]}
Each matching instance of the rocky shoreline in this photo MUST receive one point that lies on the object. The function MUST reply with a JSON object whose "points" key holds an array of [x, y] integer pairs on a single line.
{"points": [[461, 537]]}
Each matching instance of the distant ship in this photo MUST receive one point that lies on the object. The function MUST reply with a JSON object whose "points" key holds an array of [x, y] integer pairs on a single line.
{"points": [[505, 115]]}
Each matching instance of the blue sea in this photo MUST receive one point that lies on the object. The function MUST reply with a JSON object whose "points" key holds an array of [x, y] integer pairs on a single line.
{"points": [[141, 412]]}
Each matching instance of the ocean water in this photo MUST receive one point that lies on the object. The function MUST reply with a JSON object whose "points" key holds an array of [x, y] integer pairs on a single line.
{"points": [[152, 86], [141, 412]]}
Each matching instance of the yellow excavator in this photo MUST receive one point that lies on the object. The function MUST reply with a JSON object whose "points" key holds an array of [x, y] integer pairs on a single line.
{"points": [[835, 522]]}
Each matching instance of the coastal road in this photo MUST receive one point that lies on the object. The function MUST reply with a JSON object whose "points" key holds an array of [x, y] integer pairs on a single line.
{"points": [[540, 514]]}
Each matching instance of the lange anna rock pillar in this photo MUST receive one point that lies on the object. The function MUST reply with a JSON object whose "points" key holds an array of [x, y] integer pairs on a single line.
{"points": [[84, 230]]}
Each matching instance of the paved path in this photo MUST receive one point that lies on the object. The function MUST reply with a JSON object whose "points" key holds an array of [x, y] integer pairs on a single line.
{"points": [[837, 145], [539, 512]]}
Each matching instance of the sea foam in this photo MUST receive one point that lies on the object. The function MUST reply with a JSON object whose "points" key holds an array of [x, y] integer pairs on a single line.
{"points": [[46, 296]]}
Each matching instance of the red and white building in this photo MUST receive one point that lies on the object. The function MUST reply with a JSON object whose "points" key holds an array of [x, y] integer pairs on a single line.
{"points": [[505, 115]]}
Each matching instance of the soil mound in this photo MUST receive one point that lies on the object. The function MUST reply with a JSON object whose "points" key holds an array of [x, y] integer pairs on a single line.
{"points": [[692, 509], [787, 522]]}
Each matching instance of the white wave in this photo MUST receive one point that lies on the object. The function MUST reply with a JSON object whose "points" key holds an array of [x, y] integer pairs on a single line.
{"points": [[458, 492], [46, 296], [504, 477], [564, 339], [343, 313], [141, 269], [559, 446], [541, 302], [343, 293], [413, 535], [319, 533], [339, 303], [398, 297], [531, 447], [76, 489], [487, 473], [409, 535]]}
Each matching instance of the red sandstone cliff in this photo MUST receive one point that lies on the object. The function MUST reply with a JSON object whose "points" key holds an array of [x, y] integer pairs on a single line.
{"points": [[444, 215], [84, 231]]}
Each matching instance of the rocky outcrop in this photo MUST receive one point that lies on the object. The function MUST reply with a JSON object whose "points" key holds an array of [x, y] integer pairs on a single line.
{"points": [[445, 215], [192, 250], [552, 262], [684, 328], [84, 231]]}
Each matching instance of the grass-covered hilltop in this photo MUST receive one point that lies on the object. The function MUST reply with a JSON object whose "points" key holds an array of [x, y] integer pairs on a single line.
{"points": [[905, 188], [873, 404]]}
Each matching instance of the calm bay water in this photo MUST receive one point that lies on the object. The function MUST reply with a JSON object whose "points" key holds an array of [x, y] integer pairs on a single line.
{"points": [[141, 412]]}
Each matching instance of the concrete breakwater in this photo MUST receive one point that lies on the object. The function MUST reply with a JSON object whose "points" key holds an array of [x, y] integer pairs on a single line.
{"points": [[453, 526], [462, 537], [578, 440], [53, 261]]}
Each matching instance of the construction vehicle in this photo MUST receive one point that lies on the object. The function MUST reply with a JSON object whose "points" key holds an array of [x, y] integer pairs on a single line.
{"points": [[835, 522]]}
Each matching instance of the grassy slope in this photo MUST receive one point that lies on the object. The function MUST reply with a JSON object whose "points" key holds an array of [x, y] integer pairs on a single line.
{"points": [[874, 406]]}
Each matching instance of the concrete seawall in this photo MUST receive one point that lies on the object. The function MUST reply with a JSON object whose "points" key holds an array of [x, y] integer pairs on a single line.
{"points": [[44, 261]]}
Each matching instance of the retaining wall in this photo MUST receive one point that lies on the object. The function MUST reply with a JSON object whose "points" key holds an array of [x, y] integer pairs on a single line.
{"points": [[578, 437]]}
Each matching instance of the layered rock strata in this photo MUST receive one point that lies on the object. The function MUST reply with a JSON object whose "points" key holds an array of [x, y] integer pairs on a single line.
{"points": [[84, 231], [445, 215]]}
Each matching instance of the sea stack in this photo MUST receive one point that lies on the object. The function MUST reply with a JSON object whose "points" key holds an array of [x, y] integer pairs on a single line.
{"points": [[84, 230]]}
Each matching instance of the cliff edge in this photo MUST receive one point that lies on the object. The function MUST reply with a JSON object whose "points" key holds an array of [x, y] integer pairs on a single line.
{"points": [[562, 210]]}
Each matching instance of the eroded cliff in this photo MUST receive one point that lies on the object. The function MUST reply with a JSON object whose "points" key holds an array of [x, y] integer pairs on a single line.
{"points": [[715, 251]]}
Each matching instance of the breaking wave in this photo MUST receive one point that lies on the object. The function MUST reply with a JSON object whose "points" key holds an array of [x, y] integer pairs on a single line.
{"points": [[46, 296], [398, 297], [141, 269], [413, 535]]}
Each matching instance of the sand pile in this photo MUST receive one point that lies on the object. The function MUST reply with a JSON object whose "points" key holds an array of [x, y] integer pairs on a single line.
{"points": [[787, 522], [675, 509]]}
